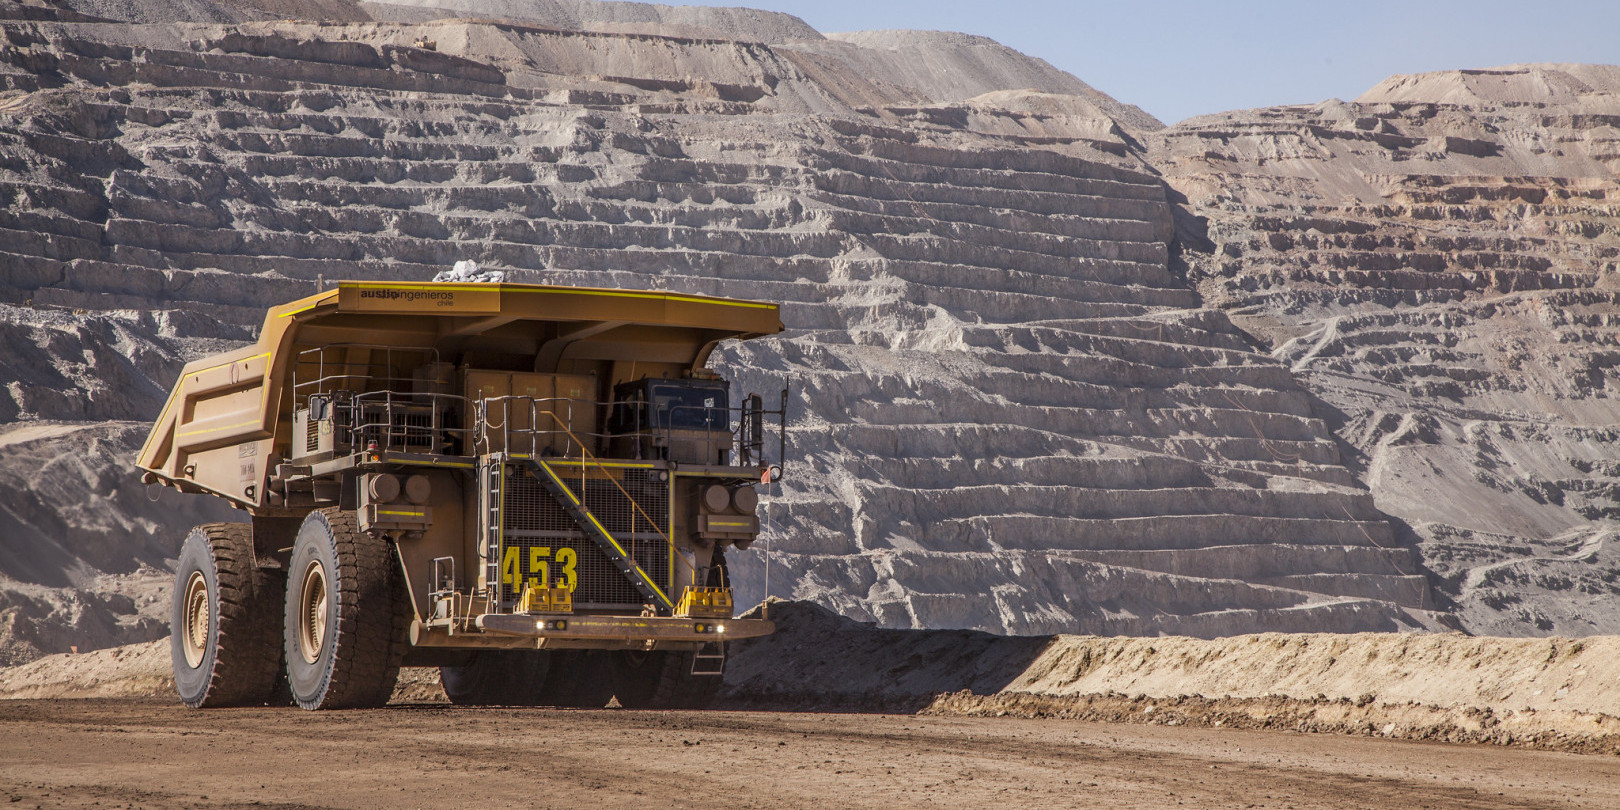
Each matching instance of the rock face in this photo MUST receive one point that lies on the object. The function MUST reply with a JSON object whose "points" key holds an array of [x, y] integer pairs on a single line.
{"points": [[1437, 261], [1014, 409], [85, 544]]}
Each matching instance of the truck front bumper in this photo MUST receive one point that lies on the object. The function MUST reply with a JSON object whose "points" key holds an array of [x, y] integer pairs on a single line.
{"points": [[574, 630]]}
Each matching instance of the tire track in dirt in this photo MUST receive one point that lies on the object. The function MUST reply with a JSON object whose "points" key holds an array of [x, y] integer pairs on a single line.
{"points": [[146, 753]]}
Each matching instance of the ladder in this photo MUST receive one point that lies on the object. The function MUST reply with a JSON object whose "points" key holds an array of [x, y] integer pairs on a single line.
{"points": [[491, 497], [710, 659], [594, 529]]}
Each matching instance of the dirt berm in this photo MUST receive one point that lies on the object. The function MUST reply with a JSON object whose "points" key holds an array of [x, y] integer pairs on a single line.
{"points": [[1542, 693]]}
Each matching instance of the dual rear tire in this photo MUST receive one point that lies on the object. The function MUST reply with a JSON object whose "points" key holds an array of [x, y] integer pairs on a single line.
{"points": [[225, 639], [312, 633], [346, 615]]}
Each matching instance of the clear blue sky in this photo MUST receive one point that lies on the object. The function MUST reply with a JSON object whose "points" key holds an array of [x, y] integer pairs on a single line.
{"points": [[1180, 58]]}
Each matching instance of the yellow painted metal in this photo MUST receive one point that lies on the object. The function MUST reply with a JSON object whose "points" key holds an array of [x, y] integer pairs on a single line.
{"points": [[598, 628], [434, 462], [709, 603], [546, 600], [603, 532], [635, 465], [228, 414]]}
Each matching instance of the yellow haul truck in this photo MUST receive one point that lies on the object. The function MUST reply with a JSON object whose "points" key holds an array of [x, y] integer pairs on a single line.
{"points": [[529, 487]]}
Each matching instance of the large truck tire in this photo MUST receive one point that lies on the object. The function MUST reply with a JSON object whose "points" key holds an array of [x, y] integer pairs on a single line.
{"points": [[497, 678], [224, 635], [660, 680], [342, 630], [578, 679]]}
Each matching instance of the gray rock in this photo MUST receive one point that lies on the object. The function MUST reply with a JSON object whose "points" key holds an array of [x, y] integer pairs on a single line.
{"points": [[1024, 401]]}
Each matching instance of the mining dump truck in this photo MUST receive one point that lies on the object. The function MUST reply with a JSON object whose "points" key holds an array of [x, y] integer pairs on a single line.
{"points": [[532, 488]]}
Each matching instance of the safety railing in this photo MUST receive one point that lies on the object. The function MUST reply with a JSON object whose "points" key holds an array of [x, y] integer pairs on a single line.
{"points": [[561, 427], [535, 426], [366, 367], [397, 399], [395, 421], [382, 397]]}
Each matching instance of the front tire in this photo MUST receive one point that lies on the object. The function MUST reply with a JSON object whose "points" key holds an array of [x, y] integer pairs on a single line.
{"points": [[578, 679], [660, 680], [341, 631], [497, 678], [574, 679], [223, 629]]}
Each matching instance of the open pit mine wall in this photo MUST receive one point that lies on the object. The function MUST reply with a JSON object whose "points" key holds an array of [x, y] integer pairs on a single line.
{"points": [[1438, 262], [1009, 414]]}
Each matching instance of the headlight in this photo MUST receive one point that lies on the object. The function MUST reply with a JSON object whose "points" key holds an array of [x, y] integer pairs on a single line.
{"points": [[417, 489], [383, 488], [716, 498]]}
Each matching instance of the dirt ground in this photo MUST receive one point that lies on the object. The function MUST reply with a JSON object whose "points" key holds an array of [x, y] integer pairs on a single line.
{"points": [[123, 753]]}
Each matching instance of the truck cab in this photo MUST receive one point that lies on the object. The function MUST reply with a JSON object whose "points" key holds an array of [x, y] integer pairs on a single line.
{"points": [[687, 421]]}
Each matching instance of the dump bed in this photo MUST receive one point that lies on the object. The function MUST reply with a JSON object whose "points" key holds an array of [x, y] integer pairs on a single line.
{"points": [[229, 419]]}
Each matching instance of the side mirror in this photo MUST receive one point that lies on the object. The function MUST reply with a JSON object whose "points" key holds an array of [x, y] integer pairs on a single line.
{"points": [[771, 475]]}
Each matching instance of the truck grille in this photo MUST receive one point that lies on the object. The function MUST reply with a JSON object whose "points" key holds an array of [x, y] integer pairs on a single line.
{"points": [[530, 517], [312, 436]]}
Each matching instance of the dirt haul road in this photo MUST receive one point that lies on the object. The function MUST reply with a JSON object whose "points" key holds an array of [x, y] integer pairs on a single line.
{"points": [[85, 753]]}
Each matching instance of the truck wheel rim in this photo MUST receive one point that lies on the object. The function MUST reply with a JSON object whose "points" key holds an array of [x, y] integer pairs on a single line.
{"points": [[194, 631], [312, 613]]}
